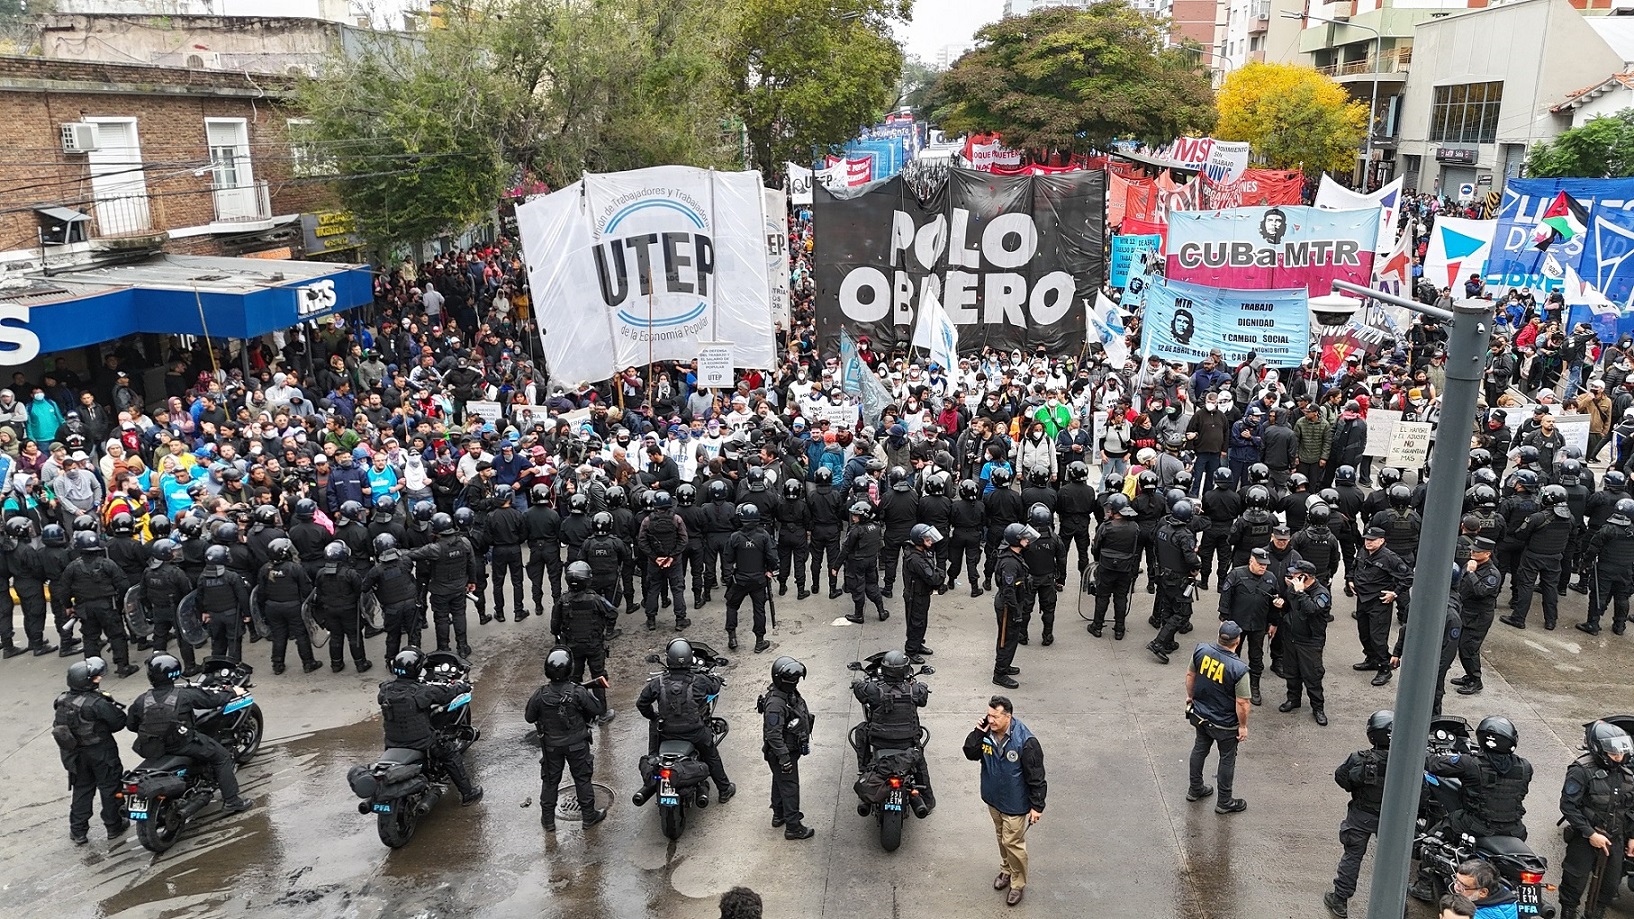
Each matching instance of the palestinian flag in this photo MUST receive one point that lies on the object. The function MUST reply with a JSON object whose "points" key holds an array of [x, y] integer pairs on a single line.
{"points": [[1564, 219]]}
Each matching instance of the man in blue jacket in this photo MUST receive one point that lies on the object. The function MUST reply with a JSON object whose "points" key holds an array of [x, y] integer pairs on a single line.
{"points": [[1013, 787]]}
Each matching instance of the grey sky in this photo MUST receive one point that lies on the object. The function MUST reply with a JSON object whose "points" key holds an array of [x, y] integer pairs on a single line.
{"points": [[946, 22]]}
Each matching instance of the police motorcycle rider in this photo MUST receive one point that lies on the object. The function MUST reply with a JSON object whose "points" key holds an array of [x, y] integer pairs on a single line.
{"points": [[405, 713], [674, 702], [162, 720], [1495, 782], [892, 705]]}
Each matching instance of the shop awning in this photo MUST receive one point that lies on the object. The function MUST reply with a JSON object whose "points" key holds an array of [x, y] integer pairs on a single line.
{"points": [[172, 295]]}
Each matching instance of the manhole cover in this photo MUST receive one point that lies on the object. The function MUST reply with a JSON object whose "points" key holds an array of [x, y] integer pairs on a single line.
{"points": [[567, 800]]}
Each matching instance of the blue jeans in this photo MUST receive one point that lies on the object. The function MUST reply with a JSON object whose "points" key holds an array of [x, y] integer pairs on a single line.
{"points": [[1202, 471], [1115, 465]]}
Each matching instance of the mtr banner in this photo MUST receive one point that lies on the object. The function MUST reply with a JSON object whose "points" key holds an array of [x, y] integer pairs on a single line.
{"points": [[1272, 248], [1014, 260]]}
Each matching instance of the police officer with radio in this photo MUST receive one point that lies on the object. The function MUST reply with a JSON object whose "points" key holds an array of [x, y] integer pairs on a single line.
{"points": [[86, 720], [675, 701], [1178, 566], [1251, 597], [281, 587], [1597, 806], [393, 584], [405, 712], [562, 712], [1478, 592], [892, 704], [1362, 774], [1375, 581], [162, 720], [785, 737], [579, 620], [1305, 633], [1046, 558]]}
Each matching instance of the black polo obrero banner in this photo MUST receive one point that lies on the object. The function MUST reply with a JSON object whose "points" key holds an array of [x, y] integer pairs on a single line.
{"points": [[1014, 260]]}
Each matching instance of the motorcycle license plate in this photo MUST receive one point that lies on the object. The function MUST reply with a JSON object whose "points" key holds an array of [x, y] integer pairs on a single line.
{"points": [[894, 803], [382, 808], [138, 809], [669, 800], [1529, 901]]}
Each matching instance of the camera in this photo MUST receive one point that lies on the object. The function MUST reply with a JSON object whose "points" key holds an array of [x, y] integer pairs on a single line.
{"points": [[1333, 309]]}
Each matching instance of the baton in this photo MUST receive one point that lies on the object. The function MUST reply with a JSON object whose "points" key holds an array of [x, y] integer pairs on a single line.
{"points": [[1592, 905]]}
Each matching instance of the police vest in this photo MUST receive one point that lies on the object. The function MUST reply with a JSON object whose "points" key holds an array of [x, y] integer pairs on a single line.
{"points": [[895, 716], [664, 534], [1605, 798], [165, 724], [1367, 779], [561, 723], [1401, 531], [280, 584], [1004, 787], [1317, 546], [162, 592], [1256, 531], [1214, 690], [216, 594], [1172, 543], [1496, 800], [602, 556], [749, 556], [1616, 549], [396, 584], [74, 726], [581, 614]]}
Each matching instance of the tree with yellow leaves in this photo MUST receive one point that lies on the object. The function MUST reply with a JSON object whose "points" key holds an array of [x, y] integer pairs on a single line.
{"points": [[1292, 116]]}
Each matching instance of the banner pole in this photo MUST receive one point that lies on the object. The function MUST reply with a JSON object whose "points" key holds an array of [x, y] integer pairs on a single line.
{"points": [[714, 289], [649, 330]]}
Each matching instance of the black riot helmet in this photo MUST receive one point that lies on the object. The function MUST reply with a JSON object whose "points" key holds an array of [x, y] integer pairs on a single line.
{"points": [[787, 673], [823, 476], [719, 491], [660, 500], [87, 543], [579, 575], [1569, 472], [1259, 474], [465, 518], [1614, 480], [1222, 477], [924, 531], [935, 485], [336, 551], [385, 507], [617, 496], [1000, 477], [21, 528], [1485, 477], [218, 556], [267, 515], [678, 656], [1553, 496], [1318, 515], [1602, 738], [687, 495], [1400, 496], [899, 479], [1297, 481], [54, 536], [1625, 507], [1117, 503], [1345, 475], [559, 665], [159, 526], [351, 511], [225, 534], [442, 524], [1258, 496], [793, 489], [1111, 482], [1482, 495], [860, 508], [383, 544], [1497, 734], [1038, 478], [1379, 726], [1016, 532], [1528, 454], [1389, 476], [602, 523], [163, 550], [895, 665], [84, 523], [578, 503], [1040, 517], [82, 674], [1479, 459], [306, 509], [190, 526], [970, 489], [122, 524], [1077, 471], [757, 478], [1182, 511], [282, 549], [164, 669], [1183, 480], [1148, 480], [539, 494], [408, 664], [1525, 479], [748, 515]]}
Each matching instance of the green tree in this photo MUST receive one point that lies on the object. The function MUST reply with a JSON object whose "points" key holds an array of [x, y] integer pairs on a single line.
{"points": [[806, 75], [1292, 117], [1068, 79], [914, 88], [1601, 147]]}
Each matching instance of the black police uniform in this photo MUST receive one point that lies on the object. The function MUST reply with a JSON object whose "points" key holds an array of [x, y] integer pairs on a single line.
{"points": [[1544, 536], [785, 737], [1611, 555], [507, 529], [544, 552], [720, 519], [309, 539], [1362, 774], [793, 545], [674, 703], [130, 555], [339, 591], [754, 563], [562, 712], [222, 602], [1117, 557], [1010, 585], [1305, 627], [1076, 507], [162, 720], [405, 713], [937, 511], [1002, 508], [825, 517], [282, 587], [860, 549], [1513, 511], [394, 585], [625, 528], [1373, 574], [1478, 592], [90, 718], [1494, 791], [1250, 531], [1248, 599], [892, 707], [606, 556], [453, 566], [164, 584], [95, 588], [1046, 559], [1319, 546], [967, 518], [1596, 798], [8, 546], [1150, 509], [1221, 507], [664, 535], [921, 576], [29, 576], [1178, 563], [478, 538], [580, 620], [899, 511]]}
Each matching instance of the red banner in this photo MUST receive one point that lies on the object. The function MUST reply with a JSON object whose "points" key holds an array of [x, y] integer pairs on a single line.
{"points": [[1256, 188]]}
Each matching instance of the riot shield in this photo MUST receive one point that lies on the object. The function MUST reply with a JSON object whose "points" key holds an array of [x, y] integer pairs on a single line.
{"points": [[258, 615], [189, 624], [319, 634], [368, 612], [136, 617]]}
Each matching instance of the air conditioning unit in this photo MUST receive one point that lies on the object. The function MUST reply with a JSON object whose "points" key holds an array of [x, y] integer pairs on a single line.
{"points": [[78, 137]]}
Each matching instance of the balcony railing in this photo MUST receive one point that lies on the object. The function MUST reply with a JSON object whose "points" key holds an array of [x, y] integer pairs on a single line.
{"points": [[126, 216], [1396, 60], [243, 203]]}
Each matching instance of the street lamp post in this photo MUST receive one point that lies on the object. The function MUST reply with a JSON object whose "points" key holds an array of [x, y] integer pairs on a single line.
{"points": [[1468, 327], [1373, 101]]}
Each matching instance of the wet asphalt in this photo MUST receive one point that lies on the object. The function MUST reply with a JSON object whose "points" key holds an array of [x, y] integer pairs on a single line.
{"points": [[1118, 837]]}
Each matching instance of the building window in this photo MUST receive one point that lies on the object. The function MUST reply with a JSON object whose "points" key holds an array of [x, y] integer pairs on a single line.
{"points": [[1466, 113], [306, 156]]}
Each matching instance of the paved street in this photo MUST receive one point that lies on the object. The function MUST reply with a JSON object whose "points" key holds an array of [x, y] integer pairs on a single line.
{"points": [[1118, 839]]}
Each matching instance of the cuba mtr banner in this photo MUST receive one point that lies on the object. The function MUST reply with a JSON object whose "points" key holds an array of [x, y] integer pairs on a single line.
{"points": [[1268, 248], [632, 267]]}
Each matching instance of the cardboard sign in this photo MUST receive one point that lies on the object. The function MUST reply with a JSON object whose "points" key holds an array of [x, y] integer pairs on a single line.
{"points": [[490, 412], [1575, 428], [715, 366], [526, 415], [1381, 426], [1409, 444]]}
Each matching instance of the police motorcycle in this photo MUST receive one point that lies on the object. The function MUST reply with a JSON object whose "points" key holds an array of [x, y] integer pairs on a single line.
{"points": [[403, 785], [888, 786], [1440, 854], [164, 792], [676, 775]]}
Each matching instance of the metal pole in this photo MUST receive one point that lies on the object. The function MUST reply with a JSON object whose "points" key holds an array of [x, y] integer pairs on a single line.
{"points": [[1420, 665], [1372, 109]]}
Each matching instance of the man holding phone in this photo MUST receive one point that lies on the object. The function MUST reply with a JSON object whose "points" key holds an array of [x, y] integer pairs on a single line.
{"points": [[1013, 787]]}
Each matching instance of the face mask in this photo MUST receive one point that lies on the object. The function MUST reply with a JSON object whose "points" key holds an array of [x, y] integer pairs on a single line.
{"points": [[39, 397], [1054, 403], [1213, 407]]}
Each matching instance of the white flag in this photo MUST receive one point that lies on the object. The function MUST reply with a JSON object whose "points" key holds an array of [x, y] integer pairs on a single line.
{"points": [[1106, 327], [936, 332], [1580, 293]]}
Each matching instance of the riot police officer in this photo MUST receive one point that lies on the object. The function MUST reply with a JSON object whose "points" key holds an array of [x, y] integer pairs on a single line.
{"points": [[164, 584], [1002, 507], [823, 506], [921, 575], [1597, 806], [754, 565], [1252, 530], [606, 554], [93, 587], [1116, 549], [1305, 632], [1513, 511], [1046, 558], [1611, 555], [392, 582], [967, 518], [892, 705], [544, 528], [1544, 536], [720, 519], [28, 569], [793, 539], [309, 537], [162, 720], [579, 620], [405, 712], [507, 529], [675, 701], [281, 589], [785, 737], [1478, 590], [1317, 544], [1076, 505], [1222, 505], [561, 711], [860, 551], [1362, 774], [222, 602], [339, 593], [1010, 578], [1178, 567], [1495, 781], [453, 573], [84, 724], [664, 540]]}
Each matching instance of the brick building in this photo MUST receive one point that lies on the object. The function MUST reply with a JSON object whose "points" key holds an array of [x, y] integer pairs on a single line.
{"points": [[109, 162]]}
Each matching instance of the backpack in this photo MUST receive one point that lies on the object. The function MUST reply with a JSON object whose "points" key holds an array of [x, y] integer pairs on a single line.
{"points": [[72, 728], [164, 729], [677, 708]]}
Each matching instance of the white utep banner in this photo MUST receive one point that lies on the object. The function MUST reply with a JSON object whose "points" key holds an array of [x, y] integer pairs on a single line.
{"points": [[799, 184], [632, 267], [777, 251]]}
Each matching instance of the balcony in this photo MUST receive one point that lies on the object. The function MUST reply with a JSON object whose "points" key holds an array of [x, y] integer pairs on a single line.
{"points": [[248, 203], [1393, 64], [127, 221], [1259, 18]]}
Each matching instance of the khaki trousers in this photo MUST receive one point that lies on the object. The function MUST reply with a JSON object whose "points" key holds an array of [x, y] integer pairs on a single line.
{"points": [[1012, 835]]}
